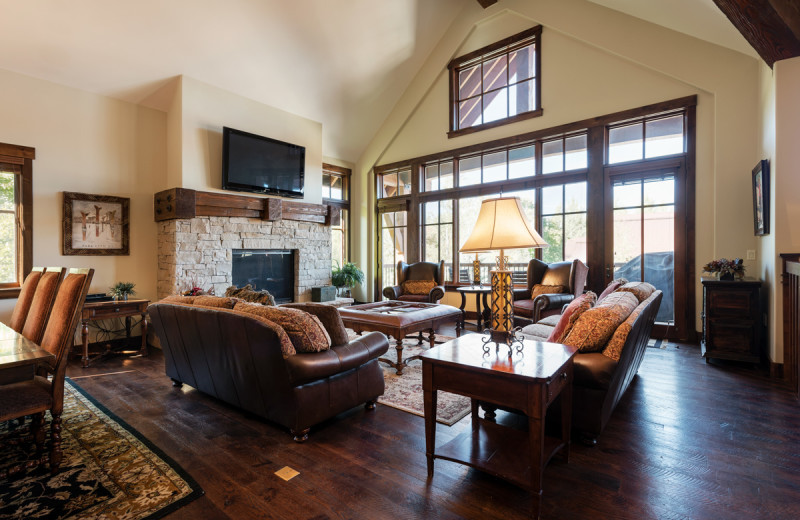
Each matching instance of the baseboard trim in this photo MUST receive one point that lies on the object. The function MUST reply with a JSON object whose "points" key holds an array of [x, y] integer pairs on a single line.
{"points": [[775, 370]]}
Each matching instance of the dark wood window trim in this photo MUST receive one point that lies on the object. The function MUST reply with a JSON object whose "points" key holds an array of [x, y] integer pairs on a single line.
{"points": [[488, 53], [21, 158], [342, 204]]}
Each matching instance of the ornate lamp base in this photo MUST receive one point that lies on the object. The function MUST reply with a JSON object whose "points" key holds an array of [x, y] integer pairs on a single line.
{"points": [[510, 338], [502, 331]]}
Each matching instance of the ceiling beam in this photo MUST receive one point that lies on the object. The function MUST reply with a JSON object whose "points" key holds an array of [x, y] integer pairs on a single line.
{"points": [[487, 3], [771, 27]]}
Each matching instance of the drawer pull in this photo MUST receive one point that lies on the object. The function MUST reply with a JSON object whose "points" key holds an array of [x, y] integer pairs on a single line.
{"points": [[563, 375]]}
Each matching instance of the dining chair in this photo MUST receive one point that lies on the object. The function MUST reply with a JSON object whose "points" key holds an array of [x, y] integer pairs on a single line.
{"points": [[25, 298], [42, 303], [36, 396]]}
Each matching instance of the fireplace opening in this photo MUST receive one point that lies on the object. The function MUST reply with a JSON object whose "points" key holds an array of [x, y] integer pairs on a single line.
{"points": [[270, 269]]}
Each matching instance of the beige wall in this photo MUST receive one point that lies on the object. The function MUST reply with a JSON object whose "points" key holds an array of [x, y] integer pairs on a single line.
{"points": [[768, 269], [595, 61], [206, 109], [89, 144]]}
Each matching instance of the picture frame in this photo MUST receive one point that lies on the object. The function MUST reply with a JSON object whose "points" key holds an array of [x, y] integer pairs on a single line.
{"points": [[95, 225], [761, 198]]}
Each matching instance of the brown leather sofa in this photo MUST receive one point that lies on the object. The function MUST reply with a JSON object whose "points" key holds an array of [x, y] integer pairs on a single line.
{"points": [[418, 271], [570, 274], [237, 358], [600, 382]]}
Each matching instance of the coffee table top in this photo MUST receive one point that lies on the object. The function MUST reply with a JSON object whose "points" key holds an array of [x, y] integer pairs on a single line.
{"points": [[396, 313], [538, 360]]}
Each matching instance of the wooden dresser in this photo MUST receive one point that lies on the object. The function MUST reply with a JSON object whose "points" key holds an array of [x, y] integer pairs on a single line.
{"points": [[732, 323]]}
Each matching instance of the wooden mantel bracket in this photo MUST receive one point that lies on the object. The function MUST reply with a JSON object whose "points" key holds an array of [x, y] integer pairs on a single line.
{"points": [[186, 203]]}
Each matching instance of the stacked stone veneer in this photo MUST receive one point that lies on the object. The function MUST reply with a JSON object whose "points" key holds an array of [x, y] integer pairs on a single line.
{"points": [[197, 251]]}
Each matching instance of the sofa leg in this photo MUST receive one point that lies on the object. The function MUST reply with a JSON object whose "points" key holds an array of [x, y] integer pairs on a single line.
{"points": [[370, 405], [489, 412], [176, 383], [300, 436]]}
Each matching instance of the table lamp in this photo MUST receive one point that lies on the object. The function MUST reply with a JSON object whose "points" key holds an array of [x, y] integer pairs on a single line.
{"points": [[502, 225]]}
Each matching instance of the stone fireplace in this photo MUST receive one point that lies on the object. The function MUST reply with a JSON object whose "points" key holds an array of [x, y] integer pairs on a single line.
{"points": [[199, 251]]}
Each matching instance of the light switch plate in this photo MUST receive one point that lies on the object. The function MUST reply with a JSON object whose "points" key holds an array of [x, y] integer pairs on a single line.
{"points": [[751, 254]]}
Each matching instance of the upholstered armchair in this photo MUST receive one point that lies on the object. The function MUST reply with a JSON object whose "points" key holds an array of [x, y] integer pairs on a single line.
{"points": [[414, 282], [556, 284]]}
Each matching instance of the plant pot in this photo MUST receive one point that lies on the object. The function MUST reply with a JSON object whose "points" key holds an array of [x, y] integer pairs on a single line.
{"points": [[726, 276]]}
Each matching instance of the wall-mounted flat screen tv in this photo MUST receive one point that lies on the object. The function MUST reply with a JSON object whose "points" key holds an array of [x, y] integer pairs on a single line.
{"points": [[259, 164]]}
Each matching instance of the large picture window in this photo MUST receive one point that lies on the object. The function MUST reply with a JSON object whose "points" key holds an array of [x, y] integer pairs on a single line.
{"points": [[497, 84]]}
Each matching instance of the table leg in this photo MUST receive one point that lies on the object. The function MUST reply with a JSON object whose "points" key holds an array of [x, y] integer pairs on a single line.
{"points": [[144, 352], [431, 337], [462, 307], [398, 346], [536, 433], [478, 308], [566, 416], [429, 397], [127, 330], [487, 313], [85, 343]]}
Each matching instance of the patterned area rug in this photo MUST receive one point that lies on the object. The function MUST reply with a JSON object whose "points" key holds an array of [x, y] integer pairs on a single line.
{"points": [[109, 471], [405, 392]]}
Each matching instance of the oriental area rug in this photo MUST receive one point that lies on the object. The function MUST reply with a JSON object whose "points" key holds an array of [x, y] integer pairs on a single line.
{"points": [[109, 470], [405, 392]]}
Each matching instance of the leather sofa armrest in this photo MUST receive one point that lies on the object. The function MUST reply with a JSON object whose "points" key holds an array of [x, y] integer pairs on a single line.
{"points": [[522, 294], [393, 292], [545, 302], [436, 294], [313, 366]]}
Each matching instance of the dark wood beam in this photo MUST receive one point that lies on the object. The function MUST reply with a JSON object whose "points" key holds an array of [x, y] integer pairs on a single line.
{"points": [[487, 3], [772, 27]]}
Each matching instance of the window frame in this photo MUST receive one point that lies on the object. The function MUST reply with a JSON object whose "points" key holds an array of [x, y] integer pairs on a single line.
{"points": [[532, 36], [342, 204], [20, 158]]}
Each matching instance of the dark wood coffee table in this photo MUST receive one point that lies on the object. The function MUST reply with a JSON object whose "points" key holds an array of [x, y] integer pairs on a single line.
{"points": [[529, 382], [399, 319]]}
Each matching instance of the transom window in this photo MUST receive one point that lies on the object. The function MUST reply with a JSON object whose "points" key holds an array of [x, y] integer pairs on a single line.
{"points": [[497, 84], [646, 138], [394, 183], [336, 193]]}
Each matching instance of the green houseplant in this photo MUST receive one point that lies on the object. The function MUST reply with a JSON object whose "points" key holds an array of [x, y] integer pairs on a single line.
{"points": [[346, 276], [121, 290]]}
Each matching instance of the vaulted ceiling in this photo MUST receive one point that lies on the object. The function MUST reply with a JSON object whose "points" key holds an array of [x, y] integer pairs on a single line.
{"points": [[344, 63]]}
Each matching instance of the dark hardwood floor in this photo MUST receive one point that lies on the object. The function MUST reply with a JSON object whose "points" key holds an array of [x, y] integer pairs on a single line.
{"points": [[689, 440]]}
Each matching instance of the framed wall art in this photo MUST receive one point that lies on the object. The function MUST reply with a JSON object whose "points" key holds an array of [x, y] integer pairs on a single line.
{"points": [[95, 224], [761, 198]]}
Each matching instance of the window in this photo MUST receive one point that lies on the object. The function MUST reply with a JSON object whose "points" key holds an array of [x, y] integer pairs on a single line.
{"points": [[564, 222], [437, 234], [564, 154], [336, 193], [16, 222], [495, 85], [394, 227], [647, 138], [438, 176], [394, 183]]}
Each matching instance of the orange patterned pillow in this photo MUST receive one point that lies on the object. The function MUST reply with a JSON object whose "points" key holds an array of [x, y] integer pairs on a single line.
{"points": [[547, 289], [596, 326], [304, 330], [613, 349], [574, 310], [217, 302], [420, 287], [642, 290]]}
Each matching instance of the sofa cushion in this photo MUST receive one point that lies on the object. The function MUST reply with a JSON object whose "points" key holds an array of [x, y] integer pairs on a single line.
{"points": [[418, 287], [304, 330], [642, 290], [419, 298], [613, 286], [613, 349], [537, 331], [551, 320], [567, 320], [523, 308], [248, 294], [538, 289], [595, 327], [593, 370], [330, 318], [218, 302]]}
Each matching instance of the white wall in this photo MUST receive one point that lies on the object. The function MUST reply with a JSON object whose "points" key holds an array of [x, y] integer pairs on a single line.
{"points": [[769, 265], [595, 61], [90, 144]]}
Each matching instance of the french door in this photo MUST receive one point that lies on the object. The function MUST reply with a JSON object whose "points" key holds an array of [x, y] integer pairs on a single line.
{"points": [[646, 237]]}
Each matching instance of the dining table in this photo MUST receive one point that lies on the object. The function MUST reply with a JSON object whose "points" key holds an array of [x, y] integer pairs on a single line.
{"points": [[19, 356]]}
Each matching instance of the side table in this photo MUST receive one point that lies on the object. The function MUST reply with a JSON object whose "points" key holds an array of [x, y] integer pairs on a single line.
{"points": [[481, 293], [529, 381], [112, 309]]}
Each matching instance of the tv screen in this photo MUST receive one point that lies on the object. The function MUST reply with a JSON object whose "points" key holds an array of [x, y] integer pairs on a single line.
{"points": [[261, 165]]}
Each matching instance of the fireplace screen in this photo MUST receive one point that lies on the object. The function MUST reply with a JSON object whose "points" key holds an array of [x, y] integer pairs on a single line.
{"points": [[268, 269]]}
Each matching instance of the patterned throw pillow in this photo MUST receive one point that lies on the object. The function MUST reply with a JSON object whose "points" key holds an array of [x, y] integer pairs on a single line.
{"points": [[574, 310], [304, 330], [419, 287], [547, 289], [595, 327], [613, 286], [248, 294], [614, 347], [642, 290], [218, 302]]}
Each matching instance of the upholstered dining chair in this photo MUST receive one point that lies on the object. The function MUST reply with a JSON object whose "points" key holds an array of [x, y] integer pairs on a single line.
{"points": [[549, 288], [42, 303], [25, 299], [36, 396], [419, 282]]}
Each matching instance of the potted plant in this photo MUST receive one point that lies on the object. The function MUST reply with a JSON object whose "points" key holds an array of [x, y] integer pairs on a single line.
{"points": [[121, 290], [346, 276], [727, 269]]}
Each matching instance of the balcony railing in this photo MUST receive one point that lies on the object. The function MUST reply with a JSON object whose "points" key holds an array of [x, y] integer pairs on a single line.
{"points": [[519, 273]]}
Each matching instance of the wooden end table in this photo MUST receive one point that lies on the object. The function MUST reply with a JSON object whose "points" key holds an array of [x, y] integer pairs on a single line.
{"points": [[529, 382], [481, 293], [112, 309]]}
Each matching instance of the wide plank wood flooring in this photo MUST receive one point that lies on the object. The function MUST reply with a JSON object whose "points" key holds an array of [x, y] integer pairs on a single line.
{"points": [[689, 440]]}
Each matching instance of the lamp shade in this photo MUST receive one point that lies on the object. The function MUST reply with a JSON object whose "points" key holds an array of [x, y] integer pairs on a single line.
{"points": [[502, 225]]}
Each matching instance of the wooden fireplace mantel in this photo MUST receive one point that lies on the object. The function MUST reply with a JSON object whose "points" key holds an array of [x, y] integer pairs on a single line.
{"points": [[186, 203]]}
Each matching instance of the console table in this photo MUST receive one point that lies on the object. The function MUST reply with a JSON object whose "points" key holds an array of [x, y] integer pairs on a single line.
{"points": [[529, 382], [112, 309]]}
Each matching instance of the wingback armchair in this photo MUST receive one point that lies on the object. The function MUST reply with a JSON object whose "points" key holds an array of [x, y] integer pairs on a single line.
{"points": [[571, 276], [418, 272]]}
